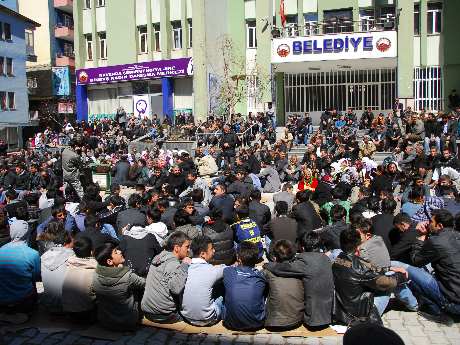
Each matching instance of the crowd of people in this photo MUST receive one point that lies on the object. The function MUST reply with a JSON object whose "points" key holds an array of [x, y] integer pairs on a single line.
{"points": [[239, 230]]}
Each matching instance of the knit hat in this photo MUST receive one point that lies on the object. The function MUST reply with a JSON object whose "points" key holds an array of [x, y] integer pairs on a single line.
{"points": [[19, 230]]}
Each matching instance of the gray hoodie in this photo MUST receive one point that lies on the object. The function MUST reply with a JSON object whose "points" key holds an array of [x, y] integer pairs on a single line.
{"points": [[54, 268], [115, 288], [165, 282]]}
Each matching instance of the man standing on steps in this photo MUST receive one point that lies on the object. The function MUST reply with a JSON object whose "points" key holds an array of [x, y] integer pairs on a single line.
{"points": [[271, 115]]}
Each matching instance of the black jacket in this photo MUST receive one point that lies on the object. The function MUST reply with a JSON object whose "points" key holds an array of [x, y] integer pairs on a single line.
{"points": [[131, 216], [355, 281], [260, 213], [307, 218], [120, 172], [315, 271], [139, 253], [282, 228], [222, 239], [330, 235], [224, 203], [402, 243], [442, 250], [382, 224]]}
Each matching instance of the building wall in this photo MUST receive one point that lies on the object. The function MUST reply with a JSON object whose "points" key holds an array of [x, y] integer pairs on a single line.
{"points": [[451, 49], [11, 4], [18, 84], [40, 11]]}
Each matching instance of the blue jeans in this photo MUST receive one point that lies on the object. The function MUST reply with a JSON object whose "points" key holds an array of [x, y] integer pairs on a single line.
{"points": [[427, 144], [402, 292], [381, 302], [220, 308], [426, 288]]}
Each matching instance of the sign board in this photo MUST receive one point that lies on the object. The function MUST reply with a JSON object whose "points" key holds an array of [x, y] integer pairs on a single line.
{"points": [[363, 45], [141, 106], [139, 71], [61, 81]]}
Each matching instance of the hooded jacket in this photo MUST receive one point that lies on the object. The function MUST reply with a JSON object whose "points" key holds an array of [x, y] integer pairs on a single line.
{"points": [[54, 269], [77, 291], [316, 272], [115, 288], [165, 282]]}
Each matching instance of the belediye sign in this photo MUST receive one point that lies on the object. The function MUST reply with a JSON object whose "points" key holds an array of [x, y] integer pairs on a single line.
{"points": [[368, 45], [141, 71]]}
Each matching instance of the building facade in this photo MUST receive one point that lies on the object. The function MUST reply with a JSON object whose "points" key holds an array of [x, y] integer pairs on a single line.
{"points": [[51, 75], [14, 51], [244, 57]]}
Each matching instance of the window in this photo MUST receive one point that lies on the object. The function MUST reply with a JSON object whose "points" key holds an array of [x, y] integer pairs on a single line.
{"points": [[428, 88], [291, 26], [7, 31], [417, 19], [2, 65], [100, 3], [68, 49], [89, 47], [11, 101], [190, 34], [366, 19], [102, 46], [143, 44], [29, 39], [157, 37], [87, 4], [434, 17], [9, 67], [251, 37], [177, 34], [311, 24], [67, 21], [338, 21], [3, 100]]}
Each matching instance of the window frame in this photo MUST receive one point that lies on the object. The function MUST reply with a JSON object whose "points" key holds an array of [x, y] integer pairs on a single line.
{"points": [[433, 14], [417, 23], [8, 66], [2, 66], [89, 47], [143, 36], [3, 101], [9, 94], [190, 33], [157, 37], [251, 30], [100, 3], [30, 37], [102, 46], [176, 27], [10, 38], [87, 5]]}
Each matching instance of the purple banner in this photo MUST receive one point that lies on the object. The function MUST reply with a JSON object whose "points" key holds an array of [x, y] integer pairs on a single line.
{"points": [[138, 71]]}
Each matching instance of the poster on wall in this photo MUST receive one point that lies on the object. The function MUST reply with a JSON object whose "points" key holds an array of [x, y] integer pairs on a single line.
{"points": [[142, 106], [61, 81]]}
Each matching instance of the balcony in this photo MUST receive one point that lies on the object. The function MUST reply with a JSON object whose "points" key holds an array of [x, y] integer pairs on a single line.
{"points": [[335, 26], [64, 32], [64, 5], [65, 60]]}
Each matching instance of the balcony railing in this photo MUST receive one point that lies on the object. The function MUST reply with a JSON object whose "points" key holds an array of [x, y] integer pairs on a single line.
{"points": [[335, 26], [65, 59], [64, 5], [64, 32]]}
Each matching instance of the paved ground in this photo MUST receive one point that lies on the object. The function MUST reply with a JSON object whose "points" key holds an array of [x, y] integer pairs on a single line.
{"points": [[411, 327]]}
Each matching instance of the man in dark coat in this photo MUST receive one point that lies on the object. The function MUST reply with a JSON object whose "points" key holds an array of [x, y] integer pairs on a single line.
{"points": [[258, 212], [132, 215], [281, 227], [221, 200], [383, 223], [314, 268], [120, 172], [228, 144], [305, 214]]}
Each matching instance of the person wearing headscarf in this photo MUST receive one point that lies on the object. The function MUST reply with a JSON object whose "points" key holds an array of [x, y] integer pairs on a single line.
{"points": [[19, 271]]}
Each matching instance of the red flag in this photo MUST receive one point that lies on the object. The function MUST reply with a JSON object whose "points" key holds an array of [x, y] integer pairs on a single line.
{"points": [[282, 15]]}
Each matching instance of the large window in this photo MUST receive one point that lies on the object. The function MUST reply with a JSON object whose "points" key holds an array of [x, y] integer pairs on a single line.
{"points": [[434, 17], [177, 34], [143, 44], [9, 67], [311, 24], [87, 4], [157, 37], [89, 47], [417, 19], [251, 36], [7, 31], [428, 88], [338, 21], [102, 46], [11, 101], [366, 19], [190, 34], [3, 102]]}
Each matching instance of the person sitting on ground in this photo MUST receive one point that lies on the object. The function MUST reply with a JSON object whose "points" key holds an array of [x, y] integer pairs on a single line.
{"points": [[281, 227], [223, 201], [245, 290], [166, 280], [356, 281], [156, 226], [116, 288], [285, 300], [221, 235], [78, 298], [305, 213], [285, 195], [18, 293], [369, 333], [439, 245], [258, 211], [139, 247], [246, 229], [330, 234], [54, 269], [197, 198], [93, 232], [403, 237], [132, 215], [201, 304], [53, 235], [59, 212], [314, 268]]}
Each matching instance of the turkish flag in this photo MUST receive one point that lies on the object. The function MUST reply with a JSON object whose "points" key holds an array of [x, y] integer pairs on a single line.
{"points": [[282, 15]]}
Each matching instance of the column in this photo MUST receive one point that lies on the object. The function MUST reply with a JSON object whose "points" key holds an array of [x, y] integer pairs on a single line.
{"points": [[165, 30], [300, 16], [150, 38], [167, 88], [280, 109], [95, 36], [264, 10], [423, 32], [184, 24], [405, 12], [81, 99]]}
